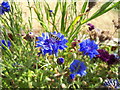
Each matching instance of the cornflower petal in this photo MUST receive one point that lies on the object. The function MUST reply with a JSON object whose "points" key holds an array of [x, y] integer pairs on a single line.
{"points": [[78, 68], [5, 43], [5, 7], [88, 47], [51, 42]]}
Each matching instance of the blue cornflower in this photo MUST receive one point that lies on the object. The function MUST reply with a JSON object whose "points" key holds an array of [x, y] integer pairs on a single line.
{"points": [[60, 61], [4, 7], [51, 42], [88, 47], [77, 68], [3, 42], [112, 83]]}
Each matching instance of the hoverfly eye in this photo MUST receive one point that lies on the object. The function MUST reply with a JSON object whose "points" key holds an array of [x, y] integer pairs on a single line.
{"points": [[50, 35], [55, 37]]}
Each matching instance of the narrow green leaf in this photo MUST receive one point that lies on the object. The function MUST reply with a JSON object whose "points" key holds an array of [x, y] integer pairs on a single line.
{"points": [[101, 11]]}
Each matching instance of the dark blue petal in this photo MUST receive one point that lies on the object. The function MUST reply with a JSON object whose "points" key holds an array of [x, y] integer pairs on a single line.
{"points": [[50, 10], [59, 35], [82, 44], [78, 67], [62, 37], [91, 43], [95, 46], [72, 76], [65, 41], [51, 45], [95, 52], [1, 10], [75, 64], [40, 38], [38, 45], [3, 42], [83, 66], [5, 6], [88, 47], [61, 47], [65, 46], [43, 34], [82, 73], [9, 43], [54, 32]]}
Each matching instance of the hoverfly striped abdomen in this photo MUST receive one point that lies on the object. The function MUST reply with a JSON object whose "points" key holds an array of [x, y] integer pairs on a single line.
{"points": [[54, 36]]}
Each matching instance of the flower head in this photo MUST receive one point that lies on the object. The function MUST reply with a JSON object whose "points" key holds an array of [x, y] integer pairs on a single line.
{"points": [[114, 83], [112, 59], [60, 61], [30, 36], [77, 68], [103, 55], [106, 57], [88, 47], [5, 7], [91, 26], [3, 42], [74, 43], [51, 42]]}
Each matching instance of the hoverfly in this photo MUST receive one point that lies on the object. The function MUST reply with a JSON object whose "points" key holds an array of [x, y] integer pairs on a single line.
{"points": [[54, 36]]}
